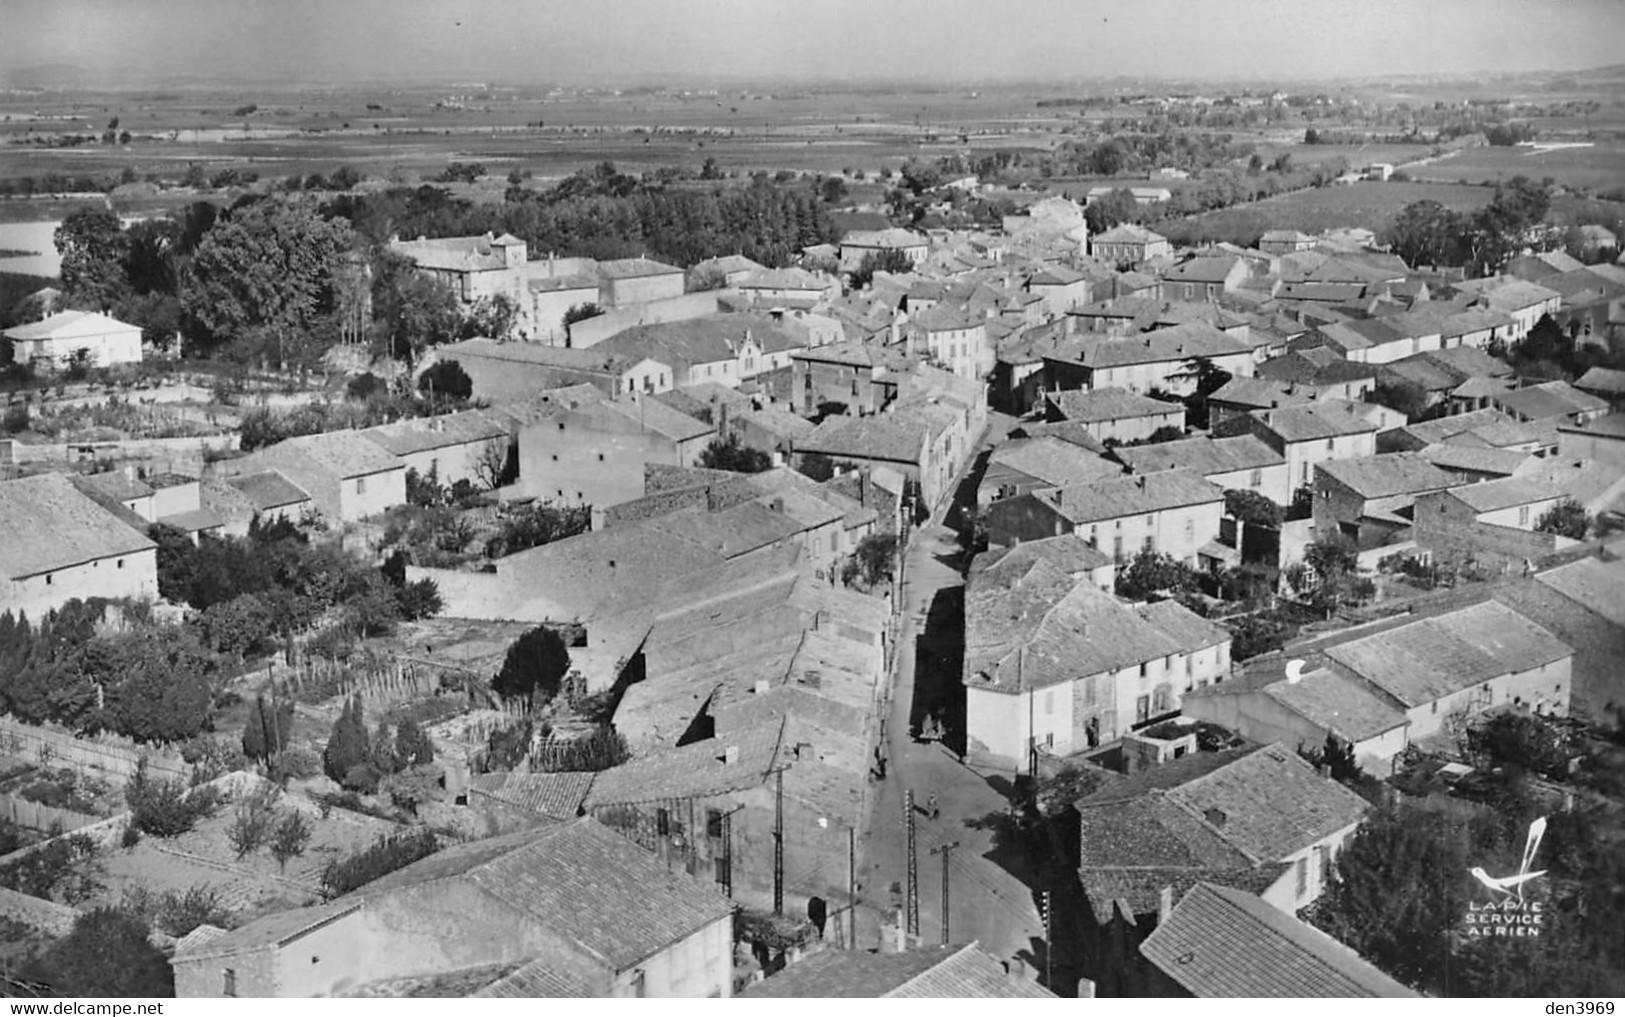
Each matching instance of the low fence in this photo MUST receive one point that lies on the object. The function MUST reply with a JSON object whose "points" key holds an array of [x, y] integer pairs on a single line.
{"points": [[34, 816], [111, 757]]}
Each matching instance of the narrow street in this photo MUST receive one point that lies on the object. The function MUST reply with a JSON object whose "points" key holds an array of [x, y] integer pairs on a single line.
{"points": [[991, 876]]}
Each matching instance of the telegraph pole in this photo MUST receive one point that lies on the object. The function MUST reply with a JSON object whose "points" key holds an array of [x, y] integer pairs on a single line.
{"points": [[852, 886], [945, 851], [912, 901], [778, 841], [1049, 938]]}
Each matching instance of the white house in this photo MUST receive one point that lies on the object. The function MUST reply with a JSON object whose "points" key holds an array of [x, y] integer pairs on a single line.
{"points": [[55, 341], [57, 544]]}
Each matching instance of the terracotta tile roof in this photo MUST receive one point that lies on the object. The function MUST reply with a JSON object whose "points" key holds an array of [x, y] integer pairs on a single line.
{"points": [[696, 770], [345, 454], [1602, 379], [1202, 455], [1506, 492], [267, 489], [883, 238], [50, 525], [270, 931], [937, 972], [1069, 431], [635, 268], [1475, 459], [1202, 270], [1387, 475], [1127, 233], [1270, 803], [195, 520], [1126, 496], [1069, 554], [1175, 343], [1052, 461], [1598, 585], [1225, 943], [1189, 630], [540, 979], [1137, 890], [1152, 832], [424, 434], [68, 325], [871, 437], [1102, 405], [1314, 421], [1426, 659], [581, 880], [1345, 707], [551, 795], [114, 485]]}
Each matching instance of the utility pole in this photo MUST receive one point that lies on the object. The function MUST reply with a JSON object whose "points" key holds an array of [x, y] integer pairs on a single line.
{"points": [[1049, 939], [945, 851], [727, 879], [852, 887], [778, 841], [912, 900]]}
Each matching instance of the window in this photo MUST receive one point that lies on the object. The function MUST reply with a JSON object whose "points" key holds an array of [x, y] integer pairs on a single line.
{"points": [[1190, 529], [600, 457], [1329, 443], [1159, 701], [1523, 515], [663, 822], [1324, 856], [1303, 876], [361, 485], [628, 388], [1435, 706], [1257, 478], [1143, 668], [1142, 709], [556, 459], [48, 581], [1049, 703], [230, 986], [638, 989], [1150, 543], [713, 822], [120, 563]]}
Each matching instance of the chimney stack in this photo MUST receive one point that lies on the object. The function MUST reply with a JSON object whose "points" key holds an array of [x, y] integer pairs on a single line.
{"points": [[1165, 904], [730, 755]]}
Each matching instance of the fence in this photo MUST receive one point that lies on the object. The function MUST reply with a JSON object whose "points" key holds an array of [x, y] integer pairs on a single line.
{"points": [[35, 816], [377, 684], [113, 757]]}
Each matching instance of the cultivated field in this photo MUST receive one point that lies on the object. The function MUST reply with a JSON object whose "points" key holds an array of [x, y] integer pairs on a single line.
{"points": [[1601, 166], [1367, 204]]}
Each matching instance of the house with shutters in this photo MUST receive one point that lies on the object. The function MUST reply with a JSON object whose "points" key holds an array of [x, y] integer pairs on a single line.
{"points": [[1172, 512], [1054, 664], [1159, 359], [1313, 433], [1373, 500], [1240, 463], [1114, 414], [347, 476], [1204, 278], [1129, 243], [52, 344]]}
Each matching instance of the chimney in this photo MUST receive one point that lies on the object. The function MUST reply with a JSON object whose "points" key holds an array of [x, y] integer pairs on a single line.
{"points": [[1140, 481], [1215, 817], [762, 687], [730, 755], [1016, 969], [1165, 904], [1325, 771], [778, 505]]}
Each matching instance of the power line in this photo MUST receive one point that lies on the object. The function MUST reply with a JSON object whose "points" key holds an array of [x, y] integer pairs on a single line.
{"points": [[946, 851]]}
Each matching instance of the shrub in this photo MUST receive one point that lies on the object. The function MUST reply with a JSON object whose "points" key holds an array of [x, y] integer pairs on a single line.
{"points": [[108, 954], [347, 745], [420, 600], [536, 663], [266, 731], [165, 808], [252, 821], [384, 856]]}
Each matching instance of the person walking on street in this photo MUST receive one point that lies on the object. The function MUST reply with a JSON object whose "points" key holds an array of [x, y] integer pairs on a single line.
{"points": [[931, 805]]}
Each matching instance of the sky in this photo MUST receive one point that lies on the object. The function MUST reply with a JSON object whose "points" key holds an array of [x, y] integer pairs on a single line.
{"points": [[968, 41]]}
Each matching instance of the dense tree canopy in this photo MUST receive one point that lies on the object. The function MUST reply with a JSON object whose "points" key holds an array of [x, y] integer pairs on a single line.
{"points": [[534, 667]]}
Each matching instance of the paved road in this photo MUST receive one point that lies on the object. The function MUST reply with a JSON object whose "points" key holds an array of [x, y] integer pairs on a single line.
{"points": [[987, 900]]}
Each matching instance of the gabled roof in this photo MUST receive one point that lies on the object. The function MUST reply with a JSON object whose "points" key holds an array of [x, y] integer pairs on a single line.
{"points": [[1507, 294], [696, 770], [267, 490], [540, 979], [275, 929], [1067, 553], [555, 796], [69, 325], [50, 525], [871, 437], [115, 485], [1347, 708], [1136, 890], [1427, 659], [1492, 495], [1126, 496], [1174, 344], [1602, 379], [936, 972], [1475, 459], [1128, 233], [581, 880], [1103, 405], [1598, 585], [1221, 942], [1201, 455], [1029, 623], [344, 454], [886, 238], [1314, 421], [635, 268], [456, 254], [1387, 475], [424, 434], [1202, 270]]}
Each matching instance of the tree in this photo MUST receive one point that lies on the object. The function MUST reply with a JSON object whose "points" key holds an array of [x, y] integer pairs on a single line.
{"points": [[1253, 508], [108, 954], [177, 562], [703, 280], [419, 600], [729, 454], [1111, 209], [412, 746], [580, 312], [239, 626], [491, 317], [1208, 378], [411, 311], [1427, 233], [1400, 395], [267, 265], [876, 556], [497, 464], [537, 524], [268, 728], [536, 663], [165, 808], [160, 682], [410, 788], [816, 465], [446, 379], [347, 745], [889, 260], [94, 247], [1568, 518], [288, 838], [1303, 503], [1523, 741], [1152, 573]]}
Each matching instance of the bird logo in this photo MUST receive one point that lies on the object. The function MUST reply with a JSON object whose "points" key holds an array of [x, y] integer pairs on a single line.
{"points": [[1513, 885]]}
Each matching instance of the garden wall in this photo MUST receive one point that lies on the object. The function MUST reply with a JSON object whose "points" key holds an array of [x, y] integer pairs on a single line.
{"points": [[112, 758], [35, 816]]}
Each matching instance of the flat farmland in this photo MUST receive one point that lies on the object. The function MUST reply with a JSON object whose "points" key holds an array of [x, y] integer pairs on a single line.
{"points": [[1369, 205], [1601, 166]]}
